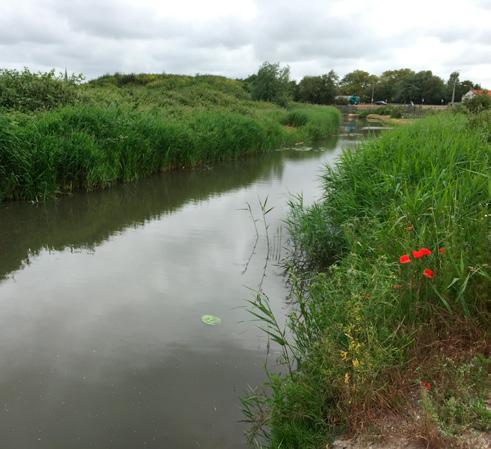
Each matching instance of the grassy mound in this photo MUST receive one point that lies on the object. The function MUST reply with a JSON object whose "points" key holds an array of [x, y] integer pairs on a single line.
{"points": [[390, 280]]}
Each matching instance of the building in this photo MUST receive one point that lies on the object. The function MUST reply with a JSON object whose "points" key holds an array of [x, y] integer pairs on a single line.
{"points": [[473, 92]]}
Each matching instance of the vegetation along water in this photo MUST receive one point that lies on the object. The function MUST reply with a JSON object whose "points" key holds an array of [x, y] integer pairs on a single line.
{"points": [[388, 270], [390, 288], [57, 135]]}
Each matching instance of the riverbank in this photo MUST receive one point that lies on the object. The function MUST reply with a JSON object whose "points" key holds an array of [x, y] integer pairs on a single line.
{"points": [[388, 120], [118, 129], [390, 290]]}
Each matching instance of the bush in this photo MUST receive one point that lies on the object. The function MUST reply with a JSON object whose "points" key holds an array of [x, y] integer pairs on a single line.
{"points": [[478, 103], [27, 91], [272, 84]]}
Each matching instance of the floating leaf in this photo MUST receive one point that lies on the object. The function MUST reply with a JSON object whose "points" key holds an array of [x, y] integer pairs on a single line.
{"points": [[211, 320]]}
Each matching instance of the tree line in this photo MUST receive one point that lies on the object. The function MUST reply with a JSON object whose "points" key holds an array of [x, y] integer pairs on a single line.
{"points": [[272, 83]]}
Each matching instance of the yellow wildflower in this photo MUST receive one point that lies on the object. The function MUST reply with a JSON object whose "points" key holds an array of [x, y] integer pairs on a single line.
{"points": [[346, 378], [356, 363], [344, 354]]}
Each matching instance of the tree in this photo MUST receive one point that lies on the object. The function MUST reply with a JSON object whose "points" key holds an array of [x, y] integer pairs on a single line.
{"points": [[317, 89], [358, 83], [388, 82], [272, 83], [432, 87], [421, 87]]}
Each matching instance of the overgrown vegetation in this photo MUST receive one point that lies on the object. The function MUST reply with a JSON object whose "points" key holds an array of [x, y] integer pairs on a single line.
{"points": [[57, 135], [390, 282], [27, 91], [478, 103]]}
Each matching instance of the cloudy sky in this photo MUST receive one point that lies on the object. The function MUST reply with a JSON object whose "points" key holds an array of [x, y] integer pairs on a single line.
{"points": [[233, 37]]}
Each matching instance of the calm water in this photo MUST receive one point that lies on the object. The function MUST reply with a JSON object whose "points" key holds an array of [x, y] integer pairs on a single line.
{"points": [[101, 296]]}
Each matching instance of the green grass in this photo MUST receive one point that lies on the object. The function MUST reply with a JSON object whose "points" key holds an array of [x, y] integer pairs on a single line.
{"points": [[365, 329], [312, 120], [121, 128]]}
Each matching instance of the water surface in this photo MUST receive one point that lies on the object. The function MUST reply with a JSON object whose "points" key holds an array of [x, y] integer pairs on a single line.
{"points": [[101, 295]]}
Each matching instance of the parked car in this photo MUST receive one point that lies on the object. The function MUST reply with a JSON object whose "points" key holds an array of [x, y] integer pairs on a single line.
{"points": [[381, 102]]}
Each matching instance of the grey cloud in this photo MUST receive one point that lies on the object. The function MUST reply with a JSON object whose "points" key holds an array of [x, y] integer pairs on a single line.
{"points": [[99, 36]]}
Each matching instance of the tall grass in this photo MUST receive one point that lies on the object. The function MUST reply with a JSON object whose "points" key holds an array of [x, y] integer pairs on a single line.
{"points": [[365, 329], [58, 136], [313, 120], [91, 147]]}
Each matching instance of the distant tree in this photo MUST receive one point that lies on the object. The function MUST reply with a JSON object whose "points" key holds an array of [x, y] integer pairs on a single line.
{"points": [[272, 83], [318, 89], [292, 89], [432, 87], [421, 87], [407, 89], [388, 83], [358, 83]]}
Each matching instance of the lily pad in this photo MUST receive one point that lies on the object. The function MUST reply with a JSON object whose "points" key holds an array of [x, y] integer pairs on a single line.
{"points": [[211, 320]]}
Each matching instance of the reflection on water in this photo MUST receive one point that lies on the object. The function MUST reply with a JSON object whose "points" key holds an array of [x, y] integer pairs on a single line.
{"points": [[101, 343]]}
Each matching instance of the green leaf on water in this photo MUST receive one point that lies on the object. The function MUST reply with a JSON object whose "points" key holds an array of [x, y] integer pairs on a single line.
{"points": [[211, 320]]}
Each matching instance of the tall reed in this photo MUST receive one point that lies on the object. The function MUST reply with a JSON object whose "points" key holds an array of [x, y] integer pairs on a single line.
{"points": [[364, 323]]}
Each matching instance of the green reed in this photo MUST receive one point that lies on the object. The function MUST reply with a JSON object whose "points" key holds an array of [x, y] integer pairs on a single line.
{"points": [[363, 326]]}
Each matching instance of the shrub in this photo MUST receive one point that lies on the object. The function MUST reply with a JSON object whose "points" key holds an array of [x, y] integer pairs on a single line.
{"points": [[478, 103], [272, 84], [27, 91]]}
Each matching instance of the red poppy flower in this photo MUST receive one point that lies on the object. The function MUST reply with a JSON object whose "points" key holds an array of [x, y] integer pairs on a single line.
{"points": [[417, 254], [397, 286], [404, 259], [426, 385], [441, 250], [428, 273], [425, 251]]}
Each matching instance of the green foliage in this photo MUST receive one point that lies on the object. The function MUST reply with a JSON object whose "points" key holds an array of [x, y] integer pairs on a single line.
{"points": [[420, 87], [354, 325], [478, 103], [358, 83], [92, 147], [316, 122], [295, 118], [317, 89], [27, 91], [125, 127], [272, 84], [385, 88]]}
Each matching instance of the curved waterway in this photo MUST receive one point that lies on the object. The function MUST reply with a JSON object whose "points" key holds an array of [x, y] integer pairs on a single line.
{"points": [[101, 298]]}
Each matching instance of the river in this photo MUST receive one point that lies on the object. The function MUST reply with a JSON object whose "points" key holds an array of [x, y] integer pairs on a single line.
{"points": [[101, 298]]}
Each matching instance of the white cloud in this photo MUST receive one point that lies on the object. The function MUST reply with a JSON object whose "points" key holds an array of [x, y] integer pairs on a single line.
{"points": [[234, 37]]}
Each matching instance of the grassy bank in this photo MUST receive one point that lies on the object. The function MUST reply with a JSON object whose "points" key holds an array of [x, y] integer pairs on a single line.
{"points": [[121, 128], [377, 329]]}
